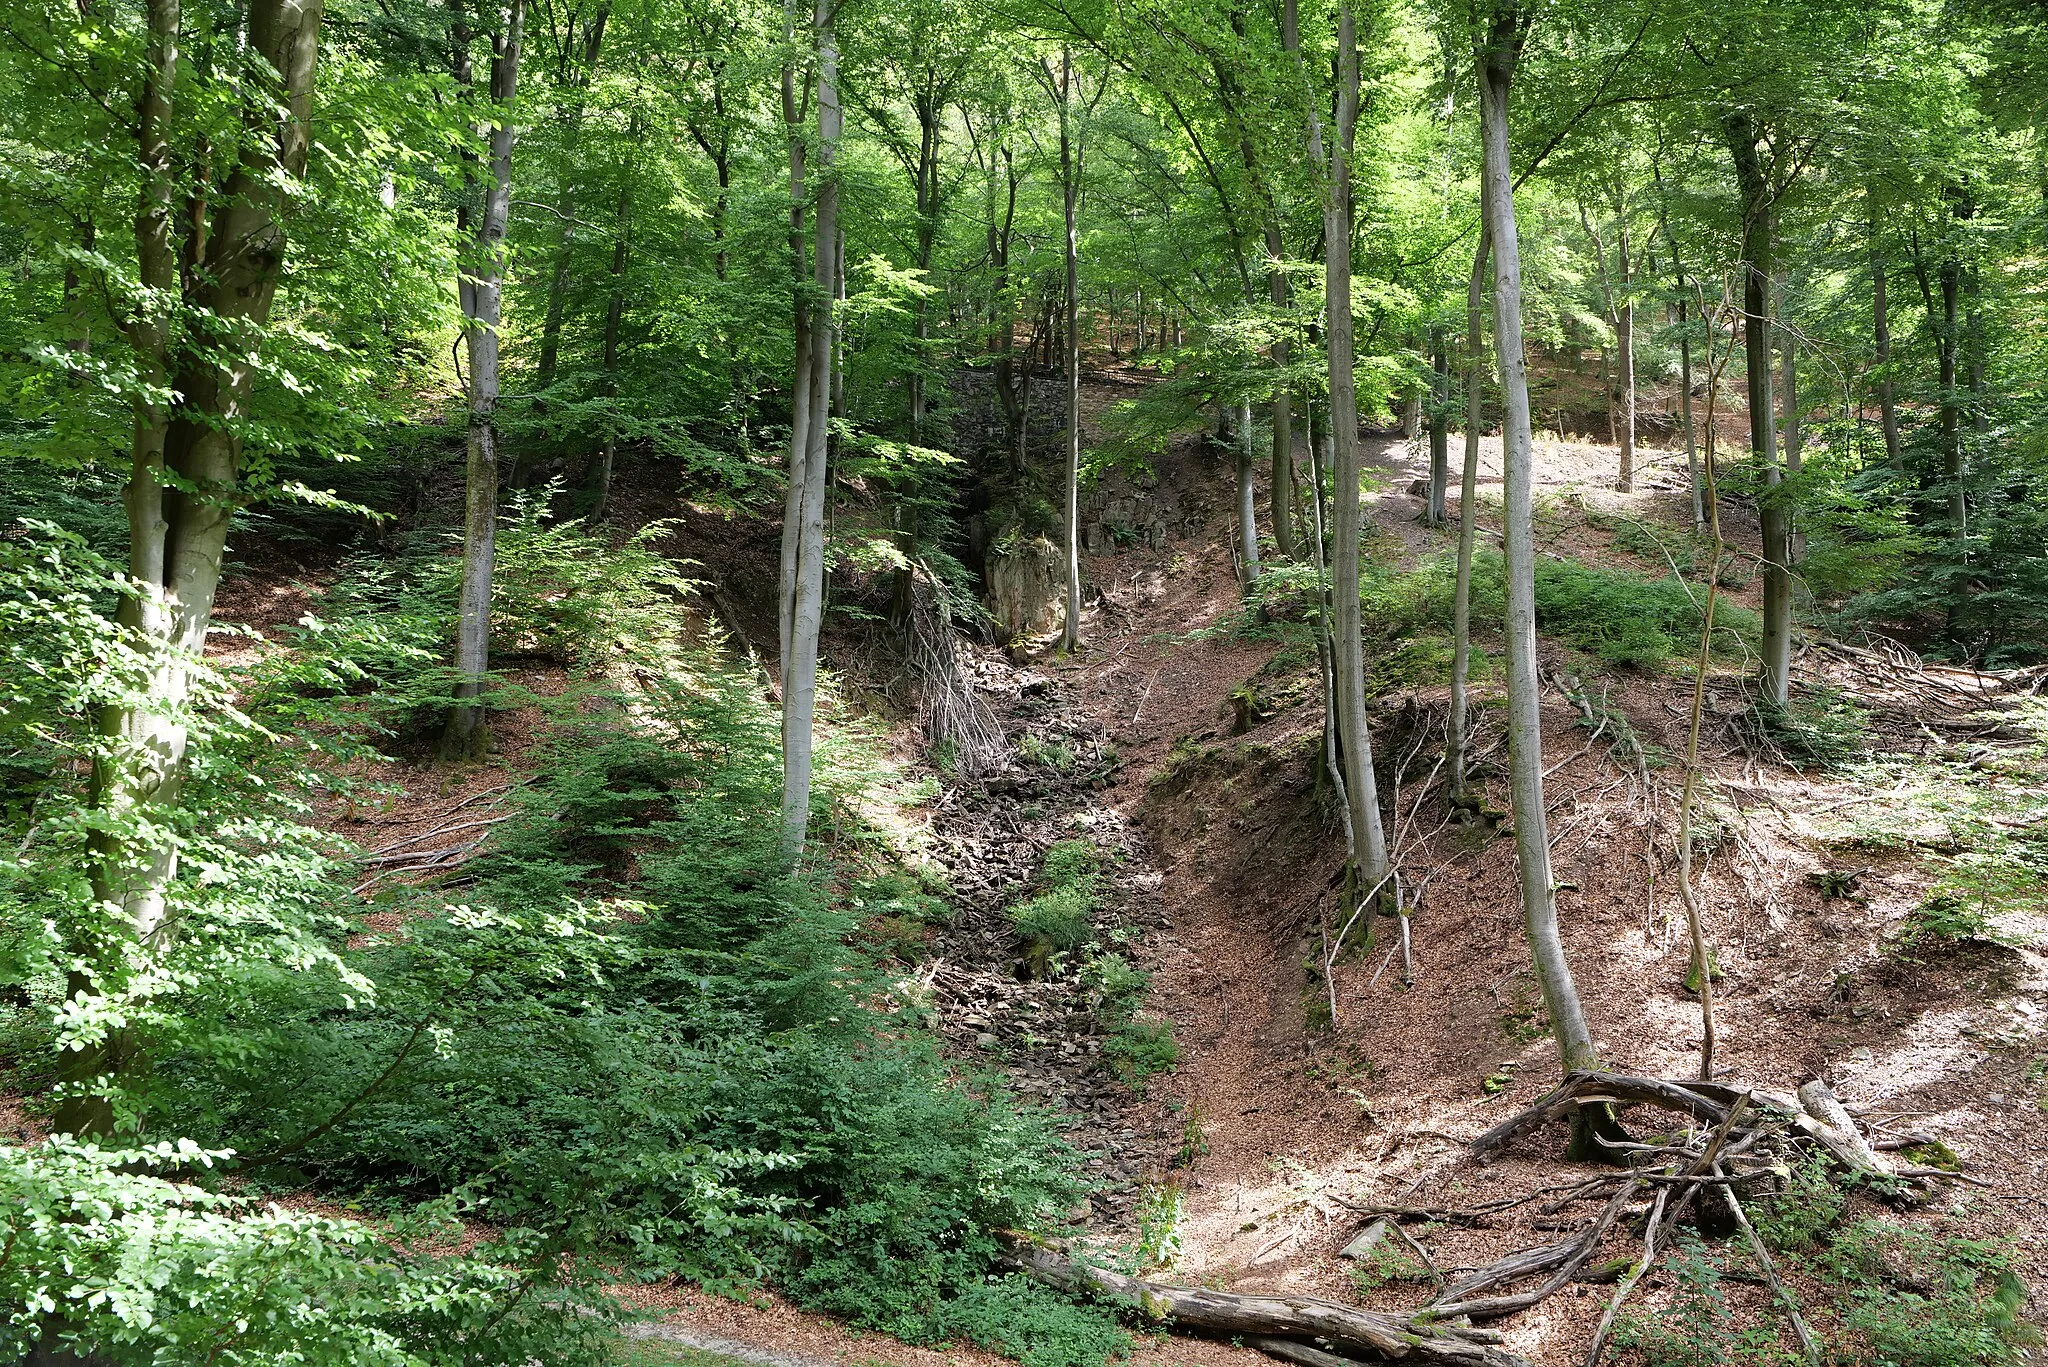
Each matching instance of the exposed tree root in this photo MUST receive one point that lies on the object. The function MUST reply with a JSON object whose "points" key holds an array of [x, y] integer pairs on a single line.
{"points": [[1298, 1328]]}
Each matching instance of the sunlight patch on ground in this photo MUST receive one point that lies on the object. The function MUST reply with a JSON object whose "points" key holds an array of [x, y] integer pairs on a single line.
{"points": [[1938, 1046]]}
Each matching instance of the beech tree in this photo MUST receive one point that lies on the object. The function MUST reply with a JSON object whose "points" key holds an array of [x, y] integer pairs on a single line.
{"points": [[1499, 49], [481, 289]]}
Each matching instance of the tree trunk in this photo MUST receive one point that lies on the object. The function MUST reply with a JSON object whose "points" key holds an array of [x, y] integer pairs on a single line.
{"points": [[1070, 192], [1525, 724], [1744, 140], [1881, 326], [1625, 353], [1283, 401], [575, 83], [1433, 511], [806, 611], [1247, 494], [1457, 737], [1348, 647], [1951, 406], [482, 298], [182, 490], [1692, 444], [614, 315]]}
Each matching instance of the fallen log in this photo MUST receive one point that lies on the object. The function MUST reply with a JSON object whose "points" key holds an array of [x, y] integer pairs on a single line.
{"points": [[1304, 1319]]}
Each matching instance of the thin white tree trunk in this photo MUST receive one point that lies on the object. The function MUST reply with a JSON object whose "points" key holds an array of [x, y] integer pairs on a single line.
{"points": [[1247, 494], [1525, 725], [1348, 646], [1070, 187], [483, 300], [1625, 351], [808, 475], [1457, 740]]}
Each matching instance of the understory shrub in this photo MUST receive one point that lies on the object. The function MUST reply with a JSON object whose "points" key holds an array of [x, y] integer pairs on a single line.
{"points": [[628, 1041], [106, 1259], [1061, 917]]}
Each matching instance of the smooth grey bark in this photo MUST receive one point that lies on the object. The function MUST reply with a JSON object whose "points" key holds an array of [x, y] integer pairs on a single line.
{"points": [[481, 292], [1070, 193], [614, 315], [184, 484], [803, 530], [1881, 328], [1692, 443], [1457, 734], [1246, 462], [1759, 198], [1946, 338], [1369, 855], [1625, 347], [1497, 61], [1282, 489], [578, 69], [1434, 512]]}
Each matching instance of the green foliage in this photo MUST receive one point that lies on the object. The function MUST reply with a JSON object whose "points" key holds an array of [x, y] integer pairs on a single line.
{"points": [[1052, 754], [1118, 987], [1818, 728], [111, 1261], [1914, 1298], [1389, 1262], [1696, 1329], [625, 1044], [1626, 618], [1061, 917], [1943, 916], [1160, 1213], [1035, 1325], [1140, 1049], [1801, 1217]]}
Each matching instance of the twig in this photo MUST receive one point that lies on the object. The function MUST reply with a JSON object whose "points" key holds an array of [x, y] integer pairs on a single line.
{"points": [[1763, 1262], [1628, 1283]]}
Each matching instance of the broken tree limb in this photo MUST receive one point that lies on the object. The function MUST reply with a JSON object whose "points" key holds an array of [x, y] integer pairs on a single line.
{"points": [[1820, 1102], [1402, 1338], [1770, 1271], [1575, 1256], [1628, 1283], [1587, 1088], [1293, 1350]]}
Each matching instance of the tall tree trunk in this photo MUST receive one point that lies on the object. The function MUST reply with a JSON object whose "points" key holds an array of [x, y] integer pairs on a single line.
{"points": [[1247, 493], [1692, 443], [1433, 511], [183, 487], [1457, 735], [1070, 192], [1348, 647], [803, 531], [1758, 260], [575, 84], [1625, 351], [1283, 401], [614, 315], [1794, 432], [1881, 327], [1525, 726], [1951, 404], [482, 298]]}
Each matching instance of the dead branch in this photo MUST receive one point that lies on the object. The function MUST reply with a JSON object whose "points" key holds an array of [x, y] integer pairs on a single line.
{"points": [[1770, 1271], [1576, 1252], [1391, 1337]]}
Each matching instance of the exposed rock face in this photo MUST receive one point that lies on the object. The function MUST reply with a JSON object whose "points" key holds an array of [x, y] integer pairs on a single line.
{"points": [[1024, 587]]}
